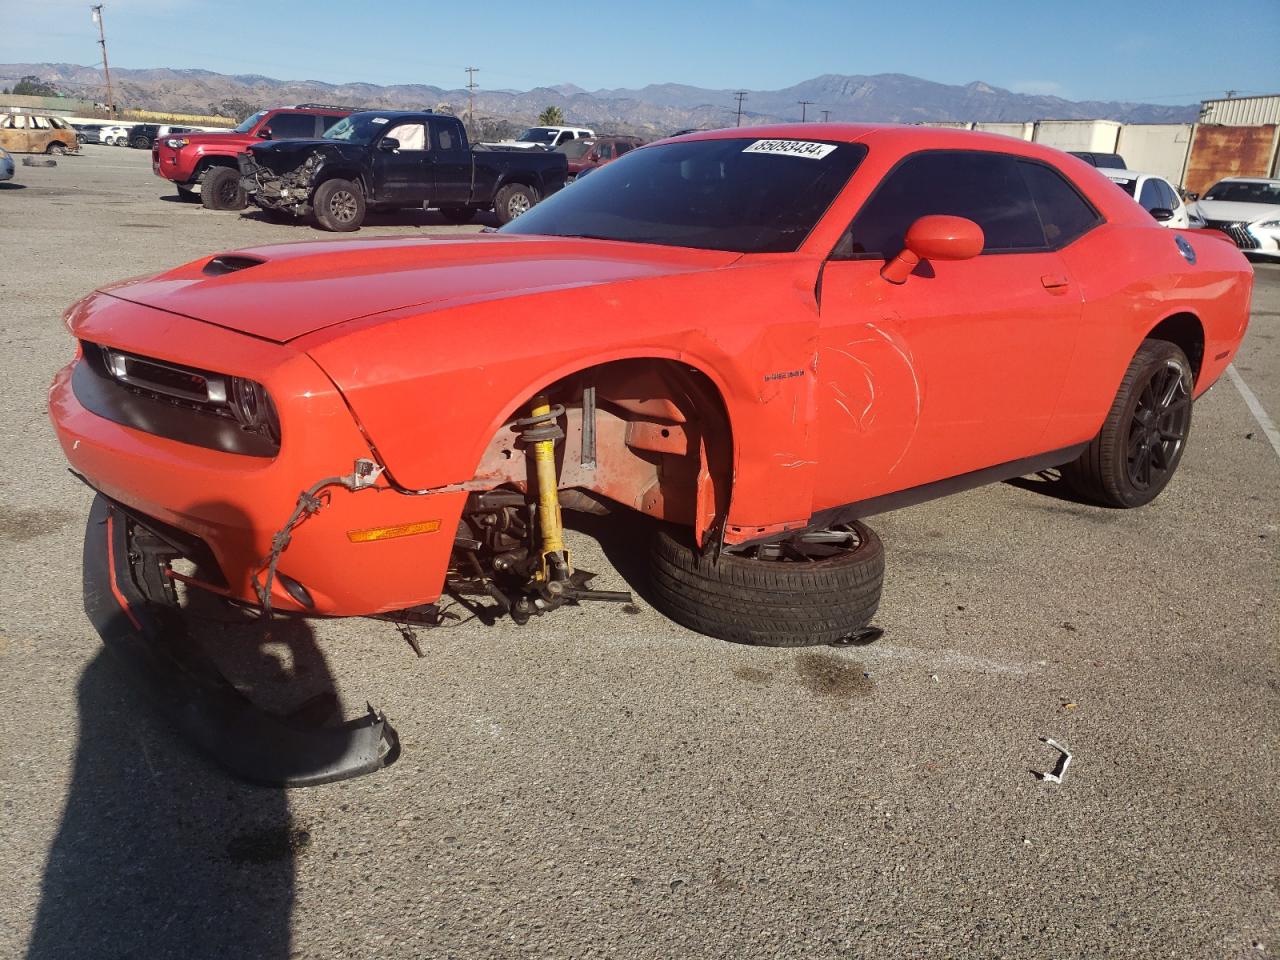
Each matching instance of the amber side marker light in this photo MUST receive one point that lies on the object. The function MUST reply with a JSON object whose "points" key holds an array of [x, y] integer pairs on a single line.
{"points": [[390, 533]]}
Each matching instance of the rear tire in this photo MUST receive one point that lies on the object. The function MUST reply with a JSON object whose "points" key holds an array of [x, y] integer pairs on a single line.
{"points": [[458, 215], [1140, 445], [770, 602], [513, 200], [141, 143], [339, 206], [56, 149], [220, 189]]}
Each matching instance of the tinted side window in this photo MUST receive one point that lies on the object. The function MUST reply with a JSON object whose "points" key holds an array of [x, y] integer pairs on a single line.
{"points": [[986, 188], [1170, 196], [623, 147], [292, 126], [1063, 212], [328, 120]]}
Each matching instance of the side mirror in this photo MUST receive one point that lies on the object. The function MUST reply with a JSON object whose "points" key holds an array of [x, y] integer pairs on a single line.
{"points": [[265, 133], [388, 144], [935, 237], [1162, 213]]}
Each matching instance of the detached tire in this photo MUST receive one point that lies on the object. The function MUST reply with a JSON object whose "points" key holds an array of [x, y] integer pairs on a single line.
{"points": [[220, 189], [513, 200], [339, 206], [770, 602], [1140, 445]]}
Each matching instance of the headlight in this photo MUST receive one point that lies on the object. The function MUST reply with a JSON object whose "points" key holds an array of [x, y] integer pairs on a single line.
{"points": [[176, 143], [253, 407], [1270, 224]]}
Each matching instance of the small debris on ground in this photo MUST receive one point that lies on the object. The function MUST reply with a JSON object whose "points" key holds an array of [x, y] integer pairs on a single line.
{"points": [[1068, 705], [1069, 626], [1060, 768]]}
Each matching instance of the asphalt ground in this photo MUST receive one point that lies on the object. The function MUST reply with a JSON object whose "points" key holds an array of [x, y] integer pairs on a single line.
{"points": [[603, 783]]}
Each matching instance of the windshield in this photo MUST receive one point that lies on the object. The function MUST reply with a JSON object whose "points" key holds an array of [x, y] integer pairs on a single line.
{"points": [[743, 195], [357, 128], [1237, 191], [249, 122], [539, 135], [574, 149]]}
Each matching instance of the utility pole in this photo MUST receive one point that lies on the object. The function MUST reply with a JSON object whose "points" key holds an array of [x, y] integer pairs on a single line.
{"points": [[826, 115], [740, 96], [471, 98], [102, 41], [804, 107]]}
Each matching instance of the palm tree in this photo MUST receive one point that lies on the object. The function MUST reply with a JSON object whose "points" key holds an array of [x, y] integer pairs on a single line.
{"points": [[551, 117]]}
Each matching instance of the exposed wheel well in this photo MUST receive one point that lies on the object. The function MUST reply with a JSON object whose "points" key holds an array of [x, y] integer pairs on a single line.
{"points": [[207, 162], [662, 441], [1184, 331]]}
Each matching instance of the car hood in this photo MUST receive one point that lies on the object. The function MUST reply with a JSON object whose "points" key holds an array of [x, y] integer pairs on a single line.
{"points": [[282, 292], [1229, 210]]}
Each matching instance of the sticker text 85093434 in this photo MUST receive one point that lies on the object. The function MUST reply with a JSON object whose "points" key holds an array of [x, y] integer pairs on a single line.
{"points": [[808, 149]]}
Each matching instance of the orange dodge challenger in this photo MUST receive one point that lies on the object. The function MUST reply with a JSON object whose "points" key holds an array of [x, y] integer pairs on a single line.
{"points": [[757, 338]]}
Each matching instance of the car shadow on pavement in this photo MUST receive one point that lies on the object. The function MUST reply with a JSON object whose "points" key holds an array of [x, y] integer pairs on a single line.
{"points": [[1050, 483], [10, 185], [160, 853]]}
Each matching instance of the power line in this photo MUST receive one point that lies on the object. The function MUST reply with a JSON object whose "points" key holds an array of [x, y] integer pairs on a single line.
{"points": [[740, 96], [826, 115], [804, 107], [102, 41]]}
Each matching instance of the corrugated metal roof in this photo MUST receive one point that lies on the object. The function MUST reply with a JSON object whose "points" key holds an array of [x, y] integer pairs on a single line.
{"points": [[1242, 111]]}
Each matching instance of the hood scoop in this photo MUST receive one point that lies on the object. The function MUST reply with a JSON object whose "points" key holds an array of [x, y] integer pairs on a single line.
{"points": [[229, 263]]}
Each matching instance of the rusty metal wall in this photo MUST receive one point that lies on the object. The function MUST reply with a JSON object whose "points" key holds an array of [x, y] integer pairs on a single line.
{"points": [[1223, 151], [1241, 111]]}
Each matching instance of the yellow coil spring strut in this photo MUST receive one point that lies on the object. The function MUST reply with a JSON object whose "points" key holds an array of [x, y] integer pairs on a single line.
{"points": [[555, 558]]}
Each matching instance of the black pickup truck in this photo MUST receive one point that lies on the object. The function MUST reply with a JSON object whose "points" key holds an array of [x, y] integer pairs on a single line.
{"points": [[384, 160]]}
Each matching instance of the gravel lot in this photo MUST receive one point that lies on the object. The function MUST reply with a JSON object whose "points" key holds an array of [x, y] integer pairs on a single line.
{"points": [[605, 783]]}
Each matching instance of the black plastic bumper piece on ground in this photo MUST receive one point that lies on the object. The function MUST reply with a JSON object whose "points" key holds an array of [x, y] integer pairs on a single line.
{"points": [[248, 741]]}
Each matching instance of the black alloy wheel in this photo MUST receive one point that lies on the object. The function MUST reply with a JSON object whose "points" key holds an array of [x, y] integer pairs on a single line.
{"points": [[1158, 430], [1140, 445]]}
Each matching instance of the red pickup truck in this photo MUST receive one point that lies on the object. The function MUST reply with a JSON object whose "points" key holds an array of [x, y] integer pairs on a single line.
{"points": [[208, 160]]}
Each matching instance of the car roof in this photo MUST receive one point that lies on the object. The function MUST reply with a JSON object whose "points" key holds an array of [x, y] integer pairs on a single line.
{"points": [[1247, 180], [1113, 173]]}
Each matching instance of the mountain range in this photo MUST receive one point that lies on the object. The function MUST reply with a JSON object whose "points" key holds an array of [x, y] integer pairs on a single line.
{"points": [[654, 109]]}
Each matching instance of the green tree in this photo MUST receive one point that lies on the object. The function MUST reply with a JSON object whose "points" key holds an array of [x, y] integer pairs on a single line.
{"points": [[234, 107], [34, 87], [551, 117]]}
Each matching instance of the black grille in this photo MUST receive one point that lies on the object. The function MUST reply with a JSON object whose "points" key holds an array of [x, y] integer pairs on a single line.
{"points": [[1237, 230]]}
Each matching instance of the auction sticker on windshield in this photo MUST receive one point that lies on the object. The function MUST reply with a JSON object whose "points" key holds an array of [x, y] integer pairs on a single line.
{"points": [[792, 148]]}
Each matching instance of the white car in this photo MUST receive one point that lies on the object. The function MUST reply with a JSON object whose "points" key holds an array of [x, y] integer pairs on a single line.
{"points": [[1156, 195], [1246, 209], [116, 136], [548, 138]]}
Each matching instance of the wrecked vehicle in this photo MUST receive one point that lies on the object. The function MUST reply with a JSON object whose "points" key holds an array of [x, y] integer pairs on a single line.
{"points": [[207, 161], [28, 133], [396, 160], [759, 340]]}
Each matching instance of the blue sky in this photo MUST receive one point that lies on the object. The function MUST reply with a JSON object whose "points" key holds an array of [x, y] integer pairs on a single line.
{"points": [[1176, 51]]}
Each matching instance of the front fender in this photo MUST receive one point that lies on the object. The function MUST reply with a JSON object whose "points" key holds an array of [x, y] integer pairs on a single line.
{"points": [[432, 388]]}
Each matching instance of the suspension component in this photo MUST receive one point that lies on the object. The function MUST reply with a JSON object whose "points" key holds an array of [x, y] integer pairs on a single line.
{"points": [[540, 430]]}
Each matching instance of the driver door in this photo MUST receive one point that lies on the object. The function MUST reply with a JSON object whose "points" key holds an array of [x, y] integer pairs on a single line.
{"points": [[960, 367], [402, 176]]}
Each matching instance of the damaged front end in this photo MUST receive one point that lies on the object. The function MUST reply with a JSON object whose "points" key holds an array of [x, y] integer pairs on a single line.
{"points": [[281, 182], [130, 597]]}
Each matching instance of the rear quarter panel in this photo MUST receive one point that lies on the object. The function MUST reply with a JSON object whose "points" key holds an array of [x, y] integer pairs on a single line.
{"points": [[1132, 277]]}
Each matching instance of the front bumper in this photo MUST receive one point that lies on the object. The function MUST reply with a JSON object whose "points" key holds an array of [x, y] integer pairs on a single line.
{"points": [[151, 642], [234, 503]]}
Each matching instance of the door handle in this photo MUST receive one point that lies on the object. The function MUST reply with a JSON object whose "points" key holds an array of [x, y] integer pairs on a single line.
{"points": [[1055, 282]]}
